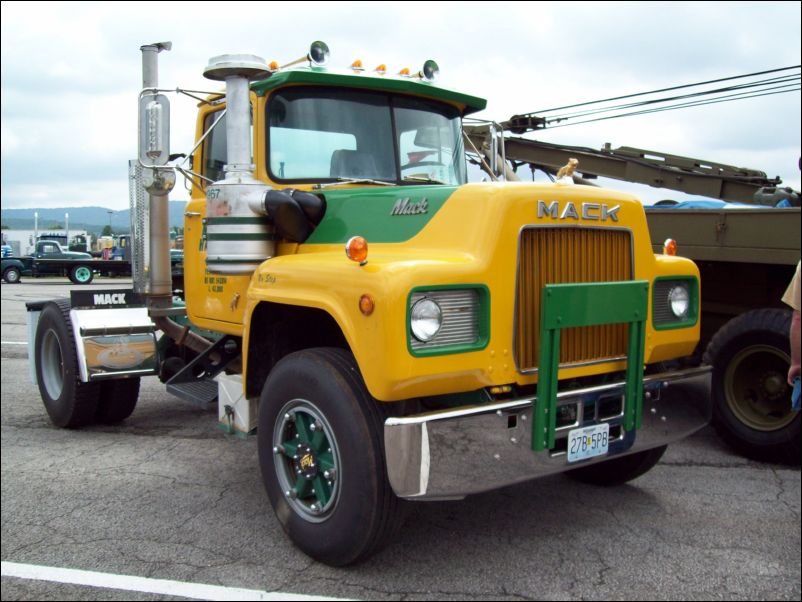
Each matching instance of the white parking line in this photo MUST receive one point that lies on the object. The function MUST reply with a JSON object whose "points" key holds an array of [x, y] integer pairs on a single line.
{"points": [[196, 591]]}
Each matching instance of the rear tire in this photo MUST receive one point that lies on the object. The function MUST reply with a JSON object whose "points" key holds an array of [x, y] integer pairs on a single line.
{"points": [[117, 400], [752, 411], [69, 402], [81, 274], [618, 470], [321, 454]]}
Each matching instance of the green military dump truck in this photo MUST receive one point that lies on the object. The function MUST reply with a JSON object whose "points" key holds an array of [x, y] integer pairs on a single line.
{"points": [[746, 258]]}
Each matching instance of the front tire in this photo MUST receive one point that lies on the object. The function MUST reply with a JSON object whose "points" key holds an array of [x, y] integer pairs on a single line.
{"points": [[752, 411], [321, 454], [69, 402], [12, 275], [618, 470]]}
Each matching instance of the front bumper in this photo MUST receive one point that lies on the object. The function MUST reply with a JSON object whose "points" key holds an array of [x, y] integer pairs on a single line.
{"points": [[453, 453]]}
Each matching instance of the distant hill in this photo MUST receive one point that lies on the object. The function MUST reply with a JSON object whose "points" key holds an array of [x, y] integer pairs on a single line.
{"points": [[91, 219]]}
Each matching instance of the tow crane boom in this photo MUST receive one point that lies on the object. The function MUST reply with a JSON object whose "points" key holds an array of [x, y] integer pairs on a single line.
{"points": [[661, 170]]}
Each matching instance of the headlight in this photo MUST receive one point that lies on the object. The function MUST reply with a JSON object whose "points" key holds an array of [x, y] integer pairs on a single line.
{"points": [[679, 300], [675, 302], [426, 319]]}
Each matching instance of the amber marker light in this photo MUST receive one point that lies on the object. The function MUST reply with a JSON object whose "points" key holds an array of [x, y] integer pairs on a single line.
{"points": [[274, 66], [404, 72], [670, 247], [366, 304], [357, 65], [381, 69], [357, 249]]}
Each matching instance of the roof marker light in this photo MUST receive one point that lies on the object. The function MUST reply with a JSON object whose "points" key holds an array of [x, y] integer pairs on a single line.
{"points": [[357, 65], [404, 72], [381, 69]]}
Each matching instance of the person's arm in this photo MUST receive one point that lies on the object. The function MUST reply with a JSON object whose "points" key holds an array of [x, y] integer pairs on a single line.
{"points": [[794, 335]]}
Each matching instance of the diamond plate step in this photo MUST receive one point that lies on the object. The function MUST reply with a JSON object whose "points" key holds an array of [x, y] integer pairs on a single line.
{"points": [[201, 392]]}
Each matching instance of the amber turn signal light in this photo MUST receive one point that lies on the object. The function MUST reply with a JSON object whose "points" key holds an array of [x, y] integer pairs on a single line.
{"points": [[366, 304], [357, 249], [670, 247]]}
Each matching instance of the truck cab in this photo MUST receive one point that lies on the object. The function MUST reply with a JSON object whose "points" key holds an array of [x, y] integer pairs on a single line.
{"points": [[51, 249], [50, 258]]}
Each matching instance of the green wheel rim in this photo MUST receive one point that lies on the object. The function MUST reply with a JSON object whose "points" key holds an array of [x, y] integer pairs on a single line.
{"points": [[756, 390], [307, 460], [83, 274]]}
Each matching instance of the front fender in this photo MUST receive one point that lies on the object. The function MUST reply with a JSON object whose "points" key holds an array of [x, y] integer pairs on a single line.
{"points": [[379, 341]]}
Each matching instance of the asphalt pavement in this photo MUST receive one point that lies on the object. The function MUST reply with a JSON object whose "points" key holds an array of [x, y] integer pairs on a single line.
{"points": [[167, 506]]}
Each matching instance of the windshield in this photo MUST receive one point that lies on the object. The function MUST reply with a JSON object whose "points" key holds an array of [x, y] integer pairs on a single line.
{"points": [[320, 134]]}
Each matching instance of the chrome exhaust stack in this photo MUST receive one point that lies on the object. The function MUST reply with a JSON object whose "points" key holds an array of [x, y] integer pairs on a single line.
{"points": [[154, 276], [157, 179]]}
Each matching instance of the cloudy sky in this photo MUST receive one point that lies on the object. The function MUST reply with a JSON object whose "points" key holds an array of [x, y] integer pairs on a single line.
{"points": [[71, 73]]}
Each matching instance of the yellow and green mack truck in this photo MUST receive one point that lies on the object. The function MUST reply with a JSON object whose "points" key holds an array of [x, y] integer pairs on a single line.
{"points": [[391, 332]]}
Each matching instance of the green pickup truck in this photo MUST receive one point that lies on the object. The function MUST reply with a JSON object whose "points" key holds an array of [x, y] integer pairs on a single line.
{"points": [[50, 259]]}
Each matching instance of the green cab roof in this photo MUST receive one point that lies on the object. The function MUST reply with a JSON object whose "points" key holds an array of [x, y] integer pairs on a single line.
{"points": [[320, 77]]}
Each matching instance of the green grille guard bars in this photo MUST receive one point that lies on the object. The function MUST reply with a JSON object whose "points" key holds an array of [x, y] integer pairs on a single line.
{"points": [[588, 304]]}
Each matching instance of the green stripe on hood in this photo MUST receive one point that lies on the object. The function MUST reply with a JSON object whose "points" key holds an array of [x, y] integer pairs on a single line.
{"points": [[369, 212]]}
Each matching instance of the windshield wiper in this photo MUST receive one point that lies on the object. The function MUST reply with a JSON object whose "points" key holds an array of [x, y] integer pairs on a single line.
{"points": [[354, 181], [423, 179]]}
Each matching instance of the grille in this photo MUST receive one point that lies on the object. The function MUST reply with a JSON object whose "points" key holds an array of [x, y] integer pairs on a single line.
{"points": [[561, 256]]}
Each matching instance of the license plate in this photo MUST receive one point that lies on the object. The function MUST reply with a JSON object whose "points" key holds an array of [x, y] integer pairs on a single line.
{"points": [[588, 442]]}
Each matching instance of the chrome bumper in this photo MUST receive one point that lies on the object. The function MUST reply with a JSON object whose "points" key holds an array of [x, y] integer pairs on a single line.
{"points": [[453, 453]]}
